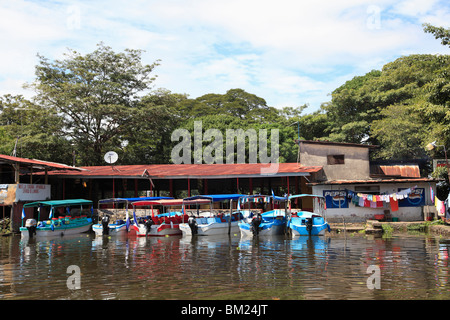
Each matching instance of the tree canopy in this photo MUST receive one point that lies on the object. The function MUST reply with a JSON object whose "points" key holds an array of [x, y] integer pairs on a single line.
{"points": [[103, 100]]}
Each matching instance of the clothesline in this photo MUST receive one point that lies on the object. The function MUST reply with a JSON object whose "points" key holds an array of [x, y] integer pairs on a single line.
{"points": [[376, 201]]}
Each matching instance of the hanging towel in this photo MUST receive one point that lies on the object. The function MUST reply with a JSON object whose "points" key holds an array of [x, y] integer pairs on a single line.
{"points": [[432, 194], [440, 206], [361, 202], [394, 204]]}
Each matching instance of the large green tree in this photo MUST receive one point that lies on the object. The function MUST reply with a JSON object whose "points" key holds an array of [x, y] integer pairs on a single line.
{"points": [[96, 95], [31, 131]]}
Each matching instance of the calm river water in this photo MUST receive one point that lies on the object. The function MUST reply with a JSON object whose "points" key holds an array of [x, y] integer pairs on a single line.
{"points": [[331, 267]]}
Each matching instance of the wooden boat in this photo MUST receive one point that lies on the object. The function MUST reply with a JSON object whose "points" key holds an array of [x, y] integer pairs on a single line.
{"points": [[306, 223], [56, 226], [119, 227], [164, 224], [210, 224], [268, 223]]}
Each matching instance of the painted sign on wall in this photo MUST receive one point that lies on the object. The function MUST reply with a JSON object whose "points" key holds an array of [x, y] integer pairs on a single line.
{"points": [[335, 199], [32, 192], [415, 199]]}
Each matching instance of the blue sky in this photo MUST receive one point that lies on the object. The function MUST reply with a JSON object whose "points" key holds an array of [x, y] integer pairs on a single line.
{"points": [[288, 52]]}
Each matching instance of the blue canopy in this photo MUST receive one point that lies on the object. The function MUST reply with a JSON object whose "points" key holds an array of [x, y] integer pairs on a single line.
{"points": [[58, 203], [277, 198], [111, 200], [217, 197], [305, 195]]}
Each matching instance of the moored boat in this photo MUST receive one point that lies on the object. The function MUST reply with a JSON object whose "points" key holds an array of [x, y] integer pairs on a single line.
{"points": [[56, 226], [265, 223], [163, 224], [118, 227], [213, 224], [307, 223]]}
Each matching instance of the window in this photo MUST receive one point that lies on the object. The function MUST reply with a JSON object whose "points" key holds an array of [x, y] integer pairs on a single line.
{"points": [[368, 189], [335, 159]]}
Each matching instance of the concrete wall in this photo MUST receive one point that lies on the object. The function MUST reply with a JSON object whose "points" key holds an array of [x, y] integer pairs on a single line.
{"points": [[361, 214], [356, 160]]}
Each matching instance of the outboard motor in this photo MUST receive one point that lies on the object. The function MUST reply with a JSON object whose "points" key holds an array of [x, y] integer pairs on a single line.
{"points": [[256, 222], [105, 224], [148, 226], [309, 225], [193, 225], [31, 224]]}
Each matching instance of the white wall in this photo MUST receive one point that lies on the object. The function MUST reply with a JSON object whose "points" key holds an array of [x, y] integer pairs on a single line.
{"points": [[361, 214]]}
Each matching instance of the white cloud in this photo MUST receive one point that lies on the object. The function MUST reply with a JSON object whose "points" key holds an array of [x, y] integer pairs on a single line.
{"points": [[288, 52]]}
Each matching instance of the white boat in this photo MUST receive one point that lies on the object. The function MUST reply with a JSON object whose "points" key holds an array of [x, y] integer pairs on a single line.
{"points": [[56, 226], [209, 224], [119, 227], [268, 223], [307, 223], [164, 224]]}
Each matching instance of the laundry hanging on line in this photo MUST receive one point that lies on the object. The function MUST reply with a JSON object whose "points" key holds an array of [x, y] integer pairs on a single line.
{"points": [[377, 201]]}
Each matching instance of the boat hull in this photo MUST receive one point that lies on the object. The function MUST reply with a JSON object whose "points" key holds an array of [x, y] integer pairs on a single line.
{"points": [[211, 229], [161, 230], [298, 226], [272, 228], [63, 230], [114, 230]]}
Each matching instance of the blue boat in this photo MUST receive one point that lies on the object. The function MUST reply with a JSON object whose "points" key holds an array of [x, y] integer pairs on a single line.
{"points": [[56, 225], [119, 227], [212, 224], [268, 223], [307, 223]]}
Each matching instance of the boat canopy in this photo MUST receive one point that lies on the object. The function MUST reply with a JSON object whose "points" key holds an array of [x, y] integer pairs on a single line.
{"points": [[276, 198], [216, 197], [124, 200], [304, 195], [170, 202], [58, 203]]}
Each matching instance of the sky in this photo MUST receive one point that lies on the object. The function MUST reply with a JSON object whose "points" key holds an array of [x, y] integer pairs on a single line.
{"points": [[289, 52]]}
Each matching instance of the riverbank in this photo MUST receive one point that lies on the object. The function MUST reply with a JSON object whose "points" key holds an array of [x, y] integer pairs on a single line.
{"points": [[378, 227]]}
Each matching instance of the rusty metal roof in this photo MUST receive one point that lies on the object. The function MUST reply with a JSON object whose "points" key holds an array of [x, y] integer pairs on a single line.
{"points": [[406, 171], [343, 144], [36, 164], [182, 171], [372, 181]]}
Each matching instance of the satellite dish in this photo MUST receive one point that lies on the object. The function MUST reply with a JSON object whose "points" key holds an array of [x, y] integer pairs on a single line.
{"points": [[111, 157]]}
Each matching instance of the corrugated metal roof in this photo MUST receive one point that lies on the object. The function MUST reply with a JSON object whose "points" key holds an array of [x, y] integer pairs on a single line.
{"points": [[180, 171], [371, 181], [343, 144], [36, 164], [407, 171]]}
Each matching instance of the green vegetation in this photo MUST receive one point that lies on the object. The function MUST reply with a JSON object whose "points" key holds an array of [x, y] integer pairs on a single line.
{"points": [[102, 101]]}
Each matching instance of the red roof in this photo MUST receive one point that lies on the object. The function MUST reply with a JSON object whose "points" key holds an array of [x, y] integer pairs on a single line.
{"points": [[36, 164], [182, 171], [371, 181], [408, 171], [170, 202]]}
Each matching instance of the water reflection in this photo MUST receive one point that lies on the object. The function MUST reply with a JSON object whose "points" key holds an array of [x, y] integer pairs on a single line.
{"points": [[335, 267]]}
